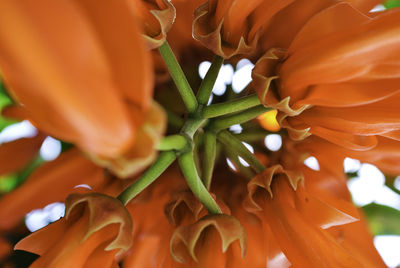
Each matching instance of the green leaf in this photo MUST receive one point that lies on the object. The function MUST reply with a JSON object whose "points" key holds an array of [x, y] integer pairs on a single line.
{"points": [[383, 220], [4, 101], [8, 182], [392, 4]]}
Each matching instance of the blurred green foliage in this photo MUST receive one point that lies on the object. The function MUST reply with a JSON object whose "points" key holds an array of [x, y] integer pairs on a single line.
{"points": [[383, 220], [4, 101], [392, 3]]}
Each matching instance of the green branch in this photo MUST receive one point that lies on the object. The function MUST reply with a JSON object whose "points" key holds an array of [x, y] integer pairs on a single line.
{"points": [[210, 143], [238, 118], [232, 106], [207, 85], [179, 77], [189, 170], [164, 160], [192, 126], [174, 142]]}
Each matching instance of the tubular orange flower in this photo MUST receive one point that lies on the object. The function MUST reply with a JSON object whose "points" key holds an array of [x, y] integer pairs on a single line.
{"points": [[298, 220], [96, 228], [157, 17], [345, 97], [75, 83], [232, 27], [195, 240]]}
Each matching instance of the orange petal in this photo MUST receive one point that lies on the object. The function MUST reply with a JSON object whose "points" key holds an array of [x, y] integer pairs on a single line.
{"points": [[43, 239], [143, 152], [15, 155]]}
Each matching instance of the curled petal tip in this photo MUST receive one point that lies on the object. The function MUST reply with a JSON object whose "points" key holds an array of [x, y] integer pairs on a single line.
{"points": [[104, 210], [186, 239]]}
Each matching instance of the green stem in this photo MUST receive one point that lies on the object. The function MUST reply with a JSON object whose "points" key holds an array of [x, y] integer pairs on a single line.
{"points": [[164, 160], [232, 142], [192, 125], [189, 170], [251, 136], [232, 106], [173, 142], [207, 85], [179, 77], [239, 118], [210, 143]]}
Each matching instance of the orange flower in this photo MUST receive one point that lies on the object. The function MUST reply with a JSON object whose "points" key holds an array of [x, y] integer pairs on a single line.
{"points": [[95, 230], [232, 27], [198, 244], [297, 220], [75, 82], [339, 83], [157, 17]]}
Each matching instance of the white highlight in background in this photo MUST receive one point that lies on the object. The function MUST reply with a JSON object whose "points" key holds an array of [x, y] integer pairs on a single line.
{"points": [[51, 149], [388, 247], [251, 149], [312, 163], [237, 129], [242, 76], [224, 76], [39, 218], [17, 131], [367, 185], [378, 8], [273, 142], [231, 165], [351, 165]]}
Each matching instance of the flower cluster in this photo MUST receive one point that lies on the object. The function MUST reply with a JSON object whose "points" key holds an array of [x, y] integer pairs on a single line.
{"points": [[102, 77]]}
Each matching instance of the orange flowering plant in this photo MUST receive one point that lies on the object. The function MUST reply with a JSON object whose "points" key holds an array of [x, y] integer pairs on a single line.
{"points": [[171, 183]]}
